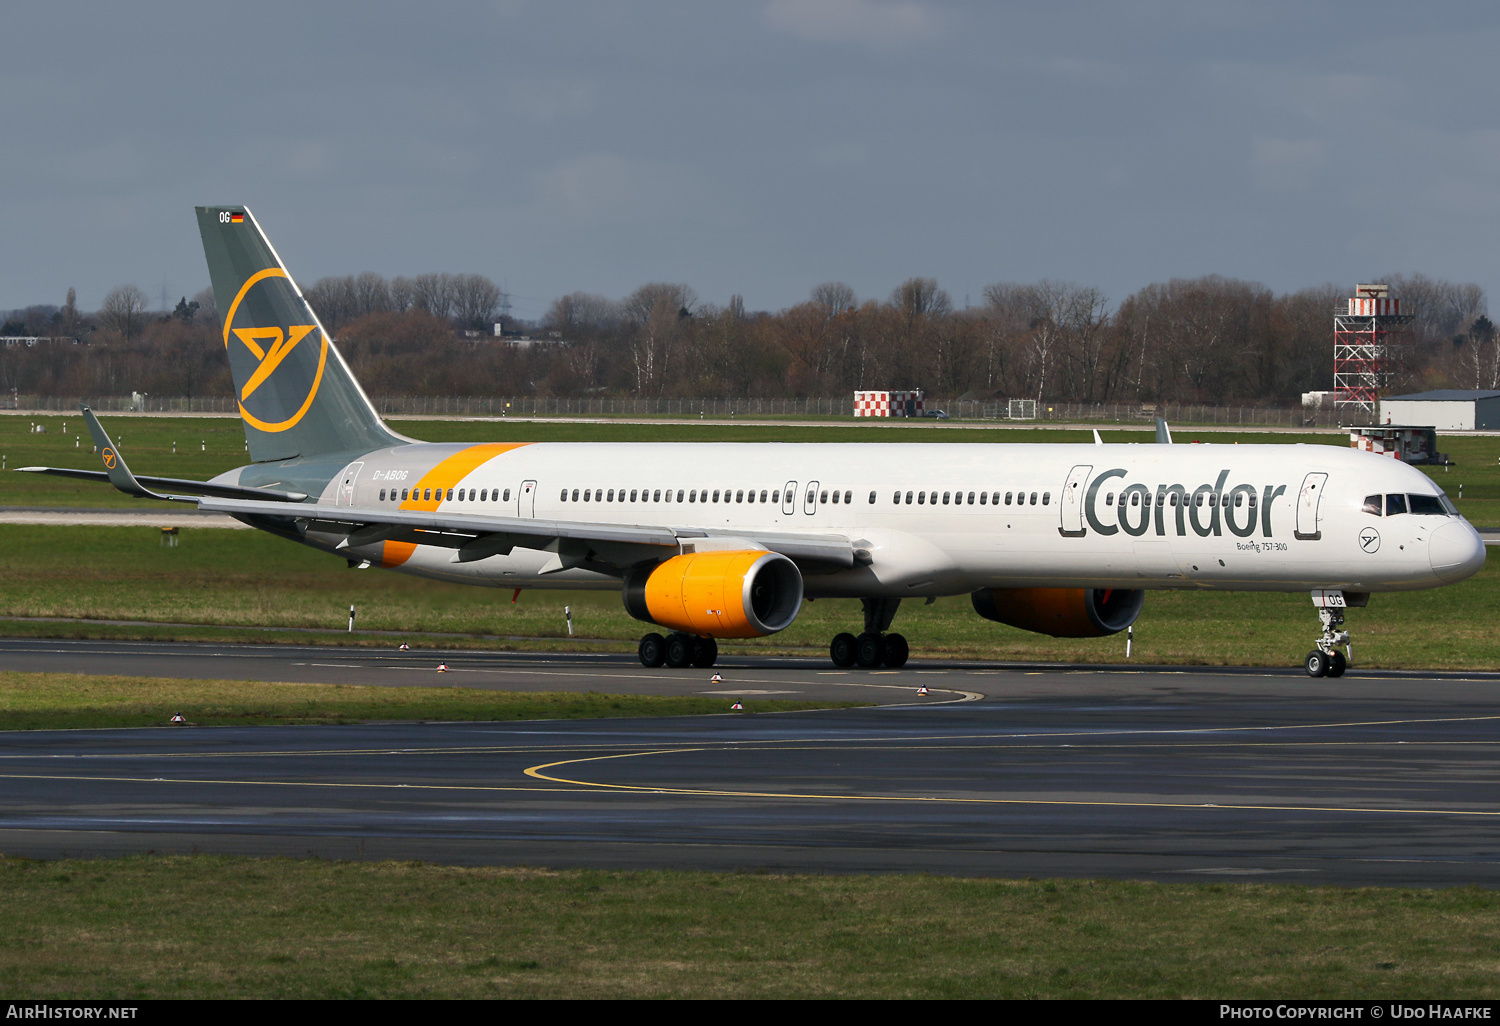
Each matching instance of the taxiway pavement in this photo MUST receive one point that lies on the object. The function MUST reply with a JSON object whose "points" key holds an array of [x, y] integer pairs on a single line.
{"points": [[1159, 773]]}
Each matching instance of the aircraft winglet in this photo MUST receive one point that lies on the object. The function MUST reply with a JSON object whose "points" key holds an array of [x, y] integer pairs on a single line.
{"points": [[1163, 433], [114, 463]]}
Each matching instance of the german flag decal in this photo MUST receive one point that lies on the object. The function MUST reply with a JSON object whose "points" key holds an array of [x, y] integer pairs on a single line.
{"points": [[236, 218]]}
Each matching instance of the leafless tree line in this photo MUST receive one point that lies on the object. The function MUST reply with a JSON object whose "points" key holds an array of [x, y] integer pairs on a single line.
{"points": [[1199, 340], [469, 300]]}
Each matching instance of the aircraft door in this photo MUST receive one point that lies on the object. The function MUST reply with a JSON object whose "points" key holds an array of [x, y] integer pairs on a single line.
{"points": [[1070, 504], [345, 495], [526, 499], [1307, 506], [811, 504], [789, 498]]}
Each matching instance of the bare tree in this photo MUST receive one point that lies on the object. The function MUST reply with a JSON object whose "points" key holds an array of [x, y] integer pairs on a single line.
{"points": [[834, 298], [433, 293], [475, 300], [124, 311]]}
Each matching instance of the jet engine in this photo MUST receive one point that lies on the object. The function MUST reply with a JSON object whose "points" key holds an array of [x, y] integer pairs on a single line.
{"points": [[1061, 612], [733, 594]]}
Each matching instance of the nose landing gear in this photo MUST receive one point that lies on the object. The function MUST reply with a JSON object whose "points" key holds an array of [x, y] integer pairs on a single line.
{"points": [[1326, 660]]}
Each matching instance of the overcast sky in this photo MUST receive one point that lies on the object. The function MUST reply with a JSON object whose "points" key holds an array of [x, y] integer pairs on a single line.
{"points": [[757, 147]]}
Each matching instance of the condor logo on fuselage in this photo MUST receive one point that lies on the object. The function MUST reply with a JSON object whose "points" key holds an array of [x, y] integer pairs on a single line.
{"points": [[1208, 509], [277, 366]]}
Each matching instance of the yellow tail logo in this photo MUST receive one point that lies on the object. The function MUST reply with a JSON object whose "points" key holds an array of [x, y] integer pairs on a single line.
{"points": [[270, 359], [270, 347]]}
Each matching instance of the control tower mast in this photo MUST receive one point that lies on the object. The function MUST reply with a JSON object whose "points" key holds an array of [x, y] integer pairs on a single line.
{"points": [[1367, 341]]}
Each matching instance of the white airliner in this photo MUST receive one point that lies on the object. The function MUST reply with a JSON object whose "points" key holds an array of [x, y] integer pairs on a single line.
{"points": [[715, 540]]}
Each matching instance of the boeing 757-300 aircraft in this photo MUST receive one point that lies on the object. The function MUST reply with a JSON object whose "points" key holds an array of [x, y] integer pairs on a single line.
{"points": [[715, 540]]}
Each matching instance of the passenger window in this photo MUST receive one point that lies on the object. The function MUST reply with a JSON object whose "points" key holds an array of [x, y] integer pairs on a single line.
{"points": [[656, 496], [762, 495], [382, 495], [1008, 496], [932, 498], [506, 496], [872, 498], [921, 498], [693, 495], [716, 495], [908, 498], [1033, 498], [971, 498], [585, 495], [776, 495], [945, 497], [575, 494], [1109, 500], [848, 498], [995, 499], [1395, 504], [822, 497], [611, 496], [679, 495], [1239, 500], [1135, 498]]}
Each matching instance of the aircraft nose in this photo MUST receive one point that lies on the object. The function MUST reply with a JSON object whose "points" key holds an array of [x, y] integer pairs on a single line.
{"points": [[1456, 551]]}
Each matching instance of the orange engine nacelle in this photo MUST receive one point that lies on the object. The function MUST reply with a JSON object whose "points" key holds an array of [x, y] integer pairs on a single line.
{"points": [[1061, 612], [738, 594]]}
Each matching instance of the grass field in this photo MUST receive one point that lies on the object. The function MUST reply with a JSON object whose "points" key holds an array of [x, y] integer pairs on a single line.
{"points": [[62, 701], [226, 585], [211, 927]]}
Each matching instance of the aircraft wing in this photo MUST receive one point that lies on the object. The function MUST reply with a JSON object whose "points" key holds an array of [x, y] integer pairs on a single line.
{"points": [[575, 543]]}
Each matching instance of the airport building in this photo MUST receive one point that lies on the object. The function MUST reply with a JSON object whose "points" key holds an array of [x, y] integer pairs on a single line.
{"points": [[1446, 409]]}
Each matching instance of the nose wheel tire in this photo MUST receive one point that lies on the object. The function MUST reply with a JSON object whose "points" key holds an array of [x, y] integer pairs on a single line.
{"points": [[844, 650], [653, 650], [1317, 664], [1337, 665]]}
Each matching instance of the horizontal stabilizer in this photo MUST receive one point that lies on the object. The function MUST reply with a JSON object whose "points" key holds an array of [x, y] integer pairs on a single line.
{"points": [[176, 484]]}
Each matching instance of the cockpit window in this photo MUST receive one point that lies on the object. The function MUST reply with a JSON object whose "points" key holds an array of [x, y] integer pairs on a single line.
{"points": [[1428, 504], [1373, 504], [1448, 505], [1395, 504]]}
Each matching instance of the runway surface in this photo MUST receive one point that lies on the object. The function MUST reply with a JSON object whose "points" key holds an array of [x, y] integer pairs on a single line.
{"points": [[1021, 771]]}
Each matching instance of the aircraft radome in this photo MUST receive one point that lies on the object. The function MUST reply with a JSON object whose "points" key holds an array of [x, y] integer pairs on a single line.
{"points": [[725, 540]]}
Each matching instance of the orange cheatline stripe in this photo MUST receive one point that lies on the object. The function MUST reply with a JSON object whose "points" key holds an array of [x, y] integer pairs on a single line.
{"points": [[440, 478]]}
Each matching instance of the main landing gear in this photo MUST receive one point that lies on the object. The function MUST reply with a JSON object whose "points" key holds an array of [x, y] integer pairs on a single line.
{"points": [[1326, 660], [874, 647], [678, 650]]}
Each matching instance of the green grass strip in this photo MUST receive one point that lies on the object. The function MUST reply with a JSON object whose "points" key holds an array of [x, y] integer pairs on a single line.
{"points": [[217, 927], [51, 701]]}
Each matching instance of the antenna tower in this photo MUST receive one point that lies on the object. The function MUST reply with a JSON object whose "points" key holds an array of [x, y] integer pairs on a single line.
{"points": [[1368, 339]]}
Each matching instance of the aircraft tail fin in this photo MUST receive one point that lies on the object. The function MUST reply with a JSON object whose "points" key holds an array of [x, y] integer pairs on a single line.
{"points": [[1163, 433], [296, 395]]}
